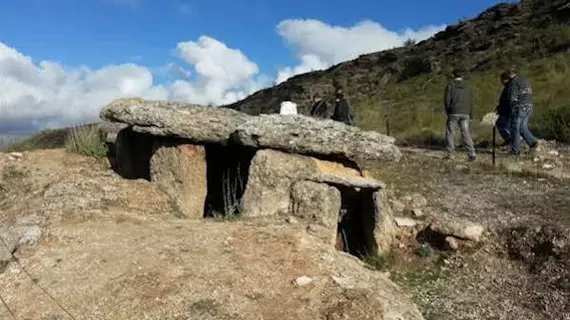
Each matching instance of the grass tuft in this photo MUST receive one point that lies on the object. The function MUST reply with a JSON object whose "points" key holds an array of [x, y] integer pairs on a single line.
{"points": [[87, 141]]}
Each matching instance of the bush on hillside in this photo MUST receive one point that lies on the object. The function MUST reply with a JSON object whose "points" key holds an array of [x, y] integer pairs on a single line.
{"points": [[47, 139], [86, 141], [555, 124]]}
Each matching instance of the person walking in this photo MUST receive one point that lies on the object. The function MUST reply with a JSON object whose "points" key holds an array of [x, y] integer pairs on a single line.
{"points": [[503, 110], [459, 109], [342, 112], [521, 108], [320, 108]]}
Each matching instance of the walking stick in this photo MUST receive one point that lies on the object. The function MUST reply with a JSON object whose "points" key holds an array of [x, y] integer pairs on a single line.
{"points": [[494, 144]]}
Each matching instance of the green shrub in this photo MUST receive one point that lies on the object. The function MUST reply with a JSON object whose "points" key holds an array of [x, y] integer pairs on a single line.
{"points": [[86, 141], [555, 124], [46, 139]]}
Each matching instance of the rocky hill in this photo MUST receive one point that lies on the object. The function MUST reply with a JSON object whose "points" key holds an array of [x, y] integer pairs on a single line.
{"points": [[405, 84]]}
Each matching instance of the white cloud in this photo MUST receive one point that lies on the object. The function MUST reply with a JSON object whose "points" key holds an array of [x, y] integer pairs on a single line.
{"points": [[222, 74], [319, 45], [36, 95], [39, 94], [46, 94]]}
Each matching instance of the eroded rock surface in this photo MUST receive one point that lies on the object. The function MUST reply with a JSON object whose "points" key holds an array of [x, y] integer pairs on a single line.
{"points": [[113, 249], [294, 134], [180, 170]]}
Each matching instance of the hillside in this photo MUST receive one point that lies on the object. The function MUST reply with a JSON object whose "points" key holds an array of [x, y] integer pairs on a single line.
{"points": [[405, 85]]}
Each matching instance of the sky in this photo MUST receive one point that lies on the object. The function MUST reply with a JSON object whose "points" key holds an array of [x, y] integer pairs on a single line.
{"points": [[62, 60]]}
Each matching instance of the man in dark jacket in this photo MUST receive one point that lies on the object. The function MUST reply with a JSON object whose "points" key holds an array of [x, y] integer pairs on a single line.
{"points": [[459, 110], [504, 110], [320, 108], [521, 108], [342, 112]]}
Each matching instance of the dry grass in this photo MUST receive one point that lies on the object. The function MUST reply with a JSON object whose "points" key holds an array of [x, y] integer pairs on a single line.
{"points": [[414, 108], [86, 141]]}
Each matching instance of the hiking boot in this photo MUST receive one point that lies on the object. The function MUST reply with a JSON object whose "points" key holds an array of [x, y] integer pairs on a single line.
{"points": [[471, 158], [533, 146]]}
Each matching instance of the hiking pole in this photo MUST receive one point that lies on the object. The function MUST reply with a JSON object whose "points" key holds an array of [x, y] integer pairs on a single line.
{"points": [[494, 144]]}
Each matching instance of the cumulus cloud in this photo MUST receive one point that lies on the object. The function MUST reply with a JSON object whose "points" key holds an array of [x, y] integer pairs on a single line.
{"points": [[46, 94], [222, 74], [37, 95], [319, 45], [43, 94]]}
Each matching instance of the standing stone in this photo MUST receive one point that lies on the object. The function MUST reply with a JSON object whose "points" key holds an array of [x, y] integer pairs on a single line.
{"points": [[385, 228], [317, 203], [180, 170], [271, 175]]}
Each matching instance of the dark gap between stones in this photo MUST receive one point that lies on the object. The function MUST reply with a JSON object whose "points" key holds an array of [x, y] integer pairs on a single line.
{"points": [[227, 175], [355, 231]]}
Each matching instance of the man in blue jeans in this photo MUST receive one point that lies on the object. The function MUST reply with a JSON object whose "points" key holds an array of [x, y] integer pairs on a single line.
{"points": [[504, 110], [521, 107], [459, 109]]}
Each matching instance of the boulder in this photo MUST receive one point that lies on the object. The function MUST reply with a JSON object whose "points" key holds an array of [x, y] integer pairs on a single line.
{"points": [[291, 133], [180, 171], [305, 135], [175, 119], [385, 229], [489, 119], [271, 175], [317, 203], [458, 228]]}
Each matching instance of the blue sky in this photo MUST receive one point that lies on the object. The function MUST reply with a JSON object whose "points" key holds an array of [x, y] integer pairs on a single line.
{"points": [[99, 32], [131, 47]]}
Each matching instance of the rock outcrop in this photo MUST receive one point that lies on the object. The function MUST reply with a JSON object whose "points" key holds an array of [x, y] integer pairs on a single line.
{"points": [[295, 134]]}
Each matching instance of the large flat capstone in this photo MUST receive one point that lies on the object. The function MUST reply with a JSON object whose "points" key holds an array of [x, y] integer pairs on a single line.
{"points": [[291, 133]]}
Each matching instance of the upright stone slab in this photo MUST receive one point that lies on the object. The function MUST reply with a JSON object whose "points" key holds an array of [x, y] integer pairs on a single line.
{"points": [[317, 203], [384, 225], [180, 170], [271, 175]]}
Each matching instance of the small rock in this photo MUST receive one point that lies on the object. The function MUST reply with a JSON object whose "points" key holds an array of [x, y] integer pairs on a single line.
{"points": [[28, 234], [547, 166], [451, 243], [29, 220], [417, 213], [303, 281], [292, 220], [489, 119], [312, 229], [553, 153], [15, 155], [397, 206], [459, 229], [414, 201], [403, 222]]}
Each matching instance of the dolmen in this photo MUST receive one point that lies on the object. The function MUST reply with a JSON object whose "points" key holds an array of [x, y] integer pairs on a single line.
{"points": [[218, 161]]}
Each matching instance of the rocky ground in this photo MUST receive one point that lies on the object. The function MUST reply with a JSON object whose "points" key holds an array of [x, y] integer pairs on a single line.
{"points": [[91, 245], [522, 269], [94, 246]]}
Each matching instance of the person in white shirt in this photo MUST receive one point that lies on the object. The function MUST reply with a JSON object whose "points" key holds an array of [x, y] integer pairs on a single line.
{"points": [[288, 107]]}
